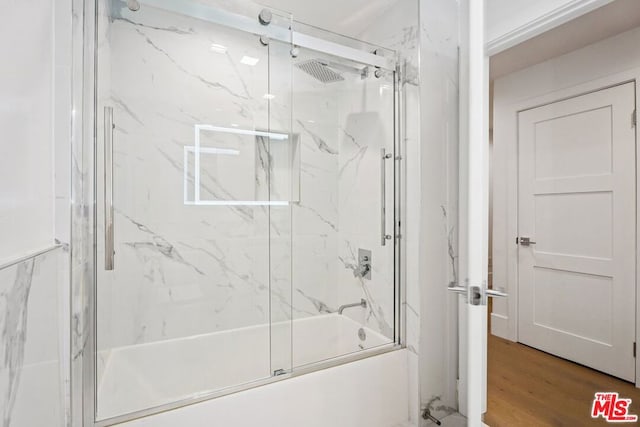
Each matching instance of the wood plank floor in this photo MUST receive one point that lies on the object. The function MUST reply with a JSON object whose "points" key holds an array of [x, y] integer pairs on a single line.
{"points": [[527, 387]]}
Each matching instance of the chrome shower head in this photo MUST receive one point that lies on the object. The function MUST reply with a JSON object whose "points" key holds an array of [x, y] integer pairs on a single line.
{"points": [[133, 5], [320, 71]]}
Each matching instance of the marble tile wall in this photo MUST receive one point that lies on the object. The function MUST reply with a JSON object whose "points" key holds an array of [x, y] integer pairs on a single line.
{"points": [[397, 29], [426, 33], [186, 279], [185, 269], [438, 250], [353, 122], [31, 383], [368, 127]]}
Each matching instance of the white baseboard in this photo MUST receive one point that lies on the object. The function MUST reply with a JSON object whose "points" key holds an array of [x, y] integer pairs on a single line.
{"points": [[500, 326]]}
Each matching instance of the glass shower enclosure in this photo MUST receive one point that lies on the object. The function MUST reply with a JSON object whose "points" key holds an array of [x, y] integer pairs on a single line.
{"points": [[246, 177]]}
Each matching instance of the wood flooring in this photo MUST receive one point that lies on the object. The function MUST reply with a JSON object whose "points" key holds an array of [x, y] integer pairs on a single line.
{"points": [[527, 387]]}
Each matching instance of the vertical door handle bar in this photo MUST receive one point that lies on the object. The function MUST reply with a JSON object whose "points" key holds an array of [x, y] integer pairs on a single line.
{"points": [[108, 188], [383, 196]]}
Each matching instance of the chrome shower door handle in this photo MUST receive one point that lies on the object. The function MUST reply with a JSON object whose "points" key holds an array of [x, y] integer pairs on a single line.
{"points": [[383, 196], [108, 188]]}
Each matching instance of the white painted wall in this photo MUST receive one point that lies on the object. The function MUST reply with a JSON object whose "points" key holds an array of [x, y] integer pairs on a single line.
{"points": [[510, 22], [26, 166], [35, 121], [611, 61]]}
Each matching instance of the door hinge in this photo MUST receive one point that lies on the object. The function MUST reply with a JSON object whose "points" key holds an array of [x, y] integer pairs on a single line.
{"points": [[634, 118], [634, 349]]}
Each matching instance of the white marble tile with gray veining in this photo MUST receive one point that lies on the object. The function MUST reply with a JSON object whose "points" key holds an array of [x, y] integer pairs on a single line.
{"points": [[30, 362]]}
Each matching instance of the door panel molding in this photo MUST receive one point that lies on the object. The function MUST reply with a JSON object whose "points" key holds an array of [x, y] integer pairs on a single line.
{"points": [[505, 313]]}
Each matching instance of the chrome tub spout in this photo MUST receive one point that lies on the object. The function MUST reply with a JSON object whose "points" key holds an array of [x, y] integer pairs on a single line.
{"points": [[362, 303]]}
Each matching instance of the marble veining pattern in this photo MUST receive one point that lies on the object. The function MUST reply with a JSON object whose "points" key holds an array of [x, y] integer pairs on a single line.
{"points": [[184, 270], [30, 368], [14, 334], [196, 256], [399, 28]]}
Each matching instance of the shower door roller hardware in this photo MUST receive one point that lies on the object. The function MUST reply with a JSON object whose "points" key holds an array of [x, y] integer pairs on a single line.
{"points": [[477, 295], [384, 156], [108, 188], [295, 51], [133, 5], [264, 40], [524, 241], [265, 17]]}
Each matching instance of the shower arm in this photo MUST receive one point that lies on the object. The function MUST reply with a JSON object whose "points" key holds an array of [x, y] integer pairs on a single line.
{"points": [[362, 303]]}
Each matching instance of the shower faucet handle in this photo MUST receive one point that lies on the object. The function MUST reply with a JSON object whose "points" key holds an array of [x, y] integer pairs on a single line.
{"points": [[363, 269]]}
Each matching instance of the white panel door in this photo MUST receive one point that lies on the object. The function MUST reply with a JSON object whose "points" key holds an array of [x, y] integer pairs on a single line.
{"points": [[577, 203]]}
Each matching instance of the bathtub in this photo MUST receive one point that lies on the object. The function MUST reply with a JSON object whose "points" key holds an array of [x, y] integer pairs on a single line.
{"points": [[375, 389]]}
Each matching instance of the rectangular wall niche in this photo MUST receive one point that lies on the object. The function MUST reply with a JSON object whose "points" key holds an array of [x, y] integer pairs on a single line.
{"points": [[241, 167]]}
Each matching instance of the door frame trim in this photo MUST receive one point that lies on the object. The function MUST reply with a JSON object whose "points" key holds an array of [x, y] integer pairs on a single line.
{"points": [[506, 326]]}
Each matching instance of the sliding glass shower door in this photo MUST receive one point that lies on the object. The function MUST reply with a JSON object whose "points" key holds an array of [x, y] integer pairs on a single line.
{"points": [[344, 218], [247, 222], [193, 227]]}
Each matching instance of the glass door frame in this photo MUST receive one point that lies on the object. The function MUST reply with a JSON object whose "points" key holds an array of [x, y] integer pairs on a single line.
{"points": [[84, 190]]}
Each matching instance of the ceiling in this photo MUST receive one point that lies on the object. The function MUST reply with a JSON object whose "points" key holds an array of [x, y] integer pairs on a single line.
{"points": [[604, 22], [348, 17], [356, 15]]}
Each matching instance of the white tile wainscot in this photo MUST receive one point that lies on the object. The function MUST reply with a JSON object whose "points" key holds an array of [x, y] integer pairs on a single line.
{"points": [[30, 382]]}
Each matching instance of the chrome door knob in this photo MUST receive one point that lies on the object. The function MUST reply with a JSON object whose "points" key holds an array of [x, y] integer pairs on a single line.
{"points": [[525, 241], [477, 295]]}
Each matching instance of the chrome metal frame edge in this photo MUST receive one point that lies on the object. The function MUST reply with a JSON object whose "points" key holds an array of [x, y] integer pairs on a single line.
{"points": [[29, 256], [88, 356], [243, 23], [399, 199]]}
